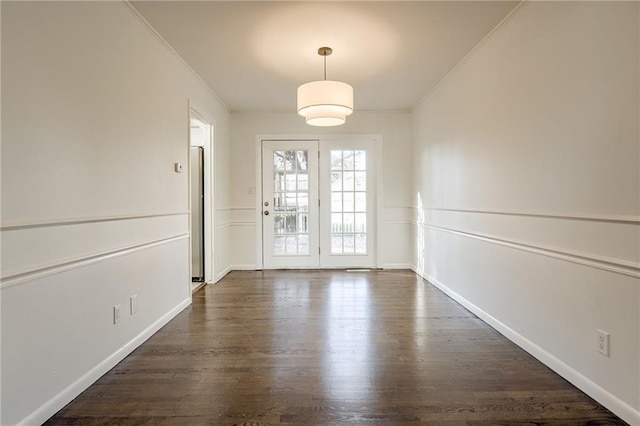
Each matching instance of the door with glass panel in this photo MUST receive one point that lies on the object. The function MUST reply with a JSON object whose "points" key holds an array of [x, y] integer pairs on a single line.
{"points": [[348, 183], [290, 221]]}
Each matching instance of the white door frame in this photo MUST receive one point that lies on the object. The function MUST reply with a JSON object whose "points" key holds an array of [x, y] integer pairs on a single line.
{"points": [[208, 146], [374, 139]]}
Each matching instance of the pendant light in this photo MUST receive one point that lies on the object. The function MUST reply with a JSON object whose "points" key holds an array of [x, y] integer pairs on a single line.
{"points": [[325, 103]]}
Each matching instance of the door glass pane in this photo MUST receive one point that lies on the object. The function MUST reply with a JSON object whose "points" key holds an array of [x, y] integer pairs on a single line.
{"points": [[336, 160], [347, 205], [336, 201], [291, 182], [348, 246], [336, 223], [347, 160], [347, 181], [278, 160], [303, 202], [361, 244], [348, 202], [336, 181], [336, 243], [291, 203], [303, 243], [278, 245], [361, 181], [360, 222], [302, 157], [361, 201], [278, 224], [303, 224], [303, 181], [292, 244], [361, 160]]}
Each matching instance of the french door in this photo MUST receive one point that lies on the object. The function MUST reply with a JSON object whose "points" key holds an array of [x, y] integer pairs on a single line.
{"points": [[318, 204], [290, 220]]}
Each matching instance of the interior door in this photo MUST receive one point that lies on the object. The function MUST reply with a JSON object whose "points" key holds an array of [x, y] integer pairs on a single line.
{"points": [[290, 220]]}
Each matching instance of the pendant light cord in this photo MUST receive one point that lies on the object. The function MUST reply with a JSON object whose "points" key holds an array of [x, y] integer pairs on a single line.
{"points": [[325, 66]]}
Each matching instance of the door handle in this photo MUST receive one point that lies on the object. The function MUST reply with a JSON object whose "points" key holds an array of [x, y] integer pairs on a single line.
{"points": [[266, 213]]}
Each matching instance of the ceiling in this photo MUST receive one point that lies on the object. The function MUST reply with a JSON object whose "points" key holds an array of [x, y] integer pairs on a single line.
{"points": [[254, 54]]}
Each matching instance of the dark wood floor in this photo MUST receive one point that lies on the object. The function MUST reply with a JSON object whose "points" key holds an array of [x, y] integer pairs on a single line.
{"points": [[329, 347]]}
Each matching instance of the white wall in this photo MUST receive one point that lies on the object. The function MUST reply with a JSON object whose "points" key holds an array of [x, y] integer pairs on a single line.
{"points": [[95, 113], [395, 128], [527, 188]]}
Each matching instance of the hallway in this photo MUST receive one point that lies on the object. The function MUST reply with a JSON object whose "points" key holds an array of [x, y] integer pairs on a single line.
{"points": [[329, 347]]}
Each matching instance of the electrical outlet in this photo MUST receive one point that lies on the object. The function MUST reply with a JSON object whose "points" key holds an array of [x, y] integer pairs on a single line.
{"points": [[133, 304], [603, 342], [116, 314]]}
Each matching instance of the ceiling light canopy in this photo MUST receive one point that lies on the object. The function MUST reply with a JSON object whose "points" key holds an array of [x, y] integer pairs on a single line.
{"points": [[325, 102]]}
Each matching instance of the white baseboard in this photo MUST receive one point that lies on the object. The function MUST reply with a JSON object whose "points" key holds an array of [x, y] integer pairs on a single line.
{"points": [[49, 408], [397, 266], [246, 267], [223, 274], [595, 391], [225, 271]]}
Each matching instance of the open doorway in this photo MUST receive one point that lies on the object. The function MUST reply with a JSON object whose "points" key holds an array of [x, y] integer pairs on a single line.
{"points": [[201, 196]]}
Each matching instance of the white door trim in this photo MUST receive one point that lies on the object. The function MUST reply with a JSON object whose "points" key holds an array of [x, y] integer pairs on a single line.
{"points": [[209, 200]]}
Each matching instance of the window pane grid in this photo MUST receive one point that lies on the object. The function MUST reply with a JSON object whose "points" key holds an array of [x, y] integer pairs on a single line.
{"points": [[290, 203], [348, 202]]}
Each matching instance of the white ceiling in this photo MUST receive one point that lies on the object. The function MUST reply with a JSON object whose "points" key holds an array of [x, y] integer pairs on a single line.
{"points": [[254, 54]]}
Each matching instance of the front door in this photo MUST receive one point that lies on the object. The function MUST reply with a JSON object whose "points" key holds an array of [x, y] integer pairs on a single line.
{"points": [[290, 204], [319, 203]]}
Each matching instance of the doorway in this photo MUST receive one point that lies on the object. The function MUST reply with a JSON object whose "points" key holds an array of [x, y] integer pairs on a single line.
{"points": [[319, 203], [201, 200]]}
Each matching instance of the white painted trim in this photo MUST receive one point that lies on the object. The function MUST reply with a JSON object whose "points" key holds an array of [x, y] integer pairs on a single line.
{"points": [[246, 209], [52, 406], [638, 118], [79, 221], [79, 262], [258, 201], [600, 262], [244, 267], [223, 225], [246, 223], [398, 266], [398, 222], [547, 215], [604, 397], [379, 153], [209, 196], [223, 274]]}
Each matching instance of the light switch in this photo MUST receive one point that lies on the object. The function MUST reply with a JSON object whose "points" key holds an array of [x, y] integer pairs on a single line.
{"points": [[178, 167]]}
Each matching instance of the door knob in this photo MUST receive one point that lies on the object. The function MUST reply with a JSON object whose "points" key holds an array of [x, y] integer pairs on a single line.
{"points": [[266, 203], [266, 213]]}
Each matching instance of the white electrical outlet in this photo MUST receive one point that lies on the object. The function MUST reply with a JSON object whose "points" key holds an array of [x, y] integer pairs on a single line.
{"points": [[133, 304], [603, 342], [116, 314]]}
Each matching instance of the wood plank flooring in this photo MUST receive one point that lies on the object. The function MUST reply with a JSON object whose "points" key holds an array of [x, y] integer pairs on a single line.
{"points": [[329, 348]]}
